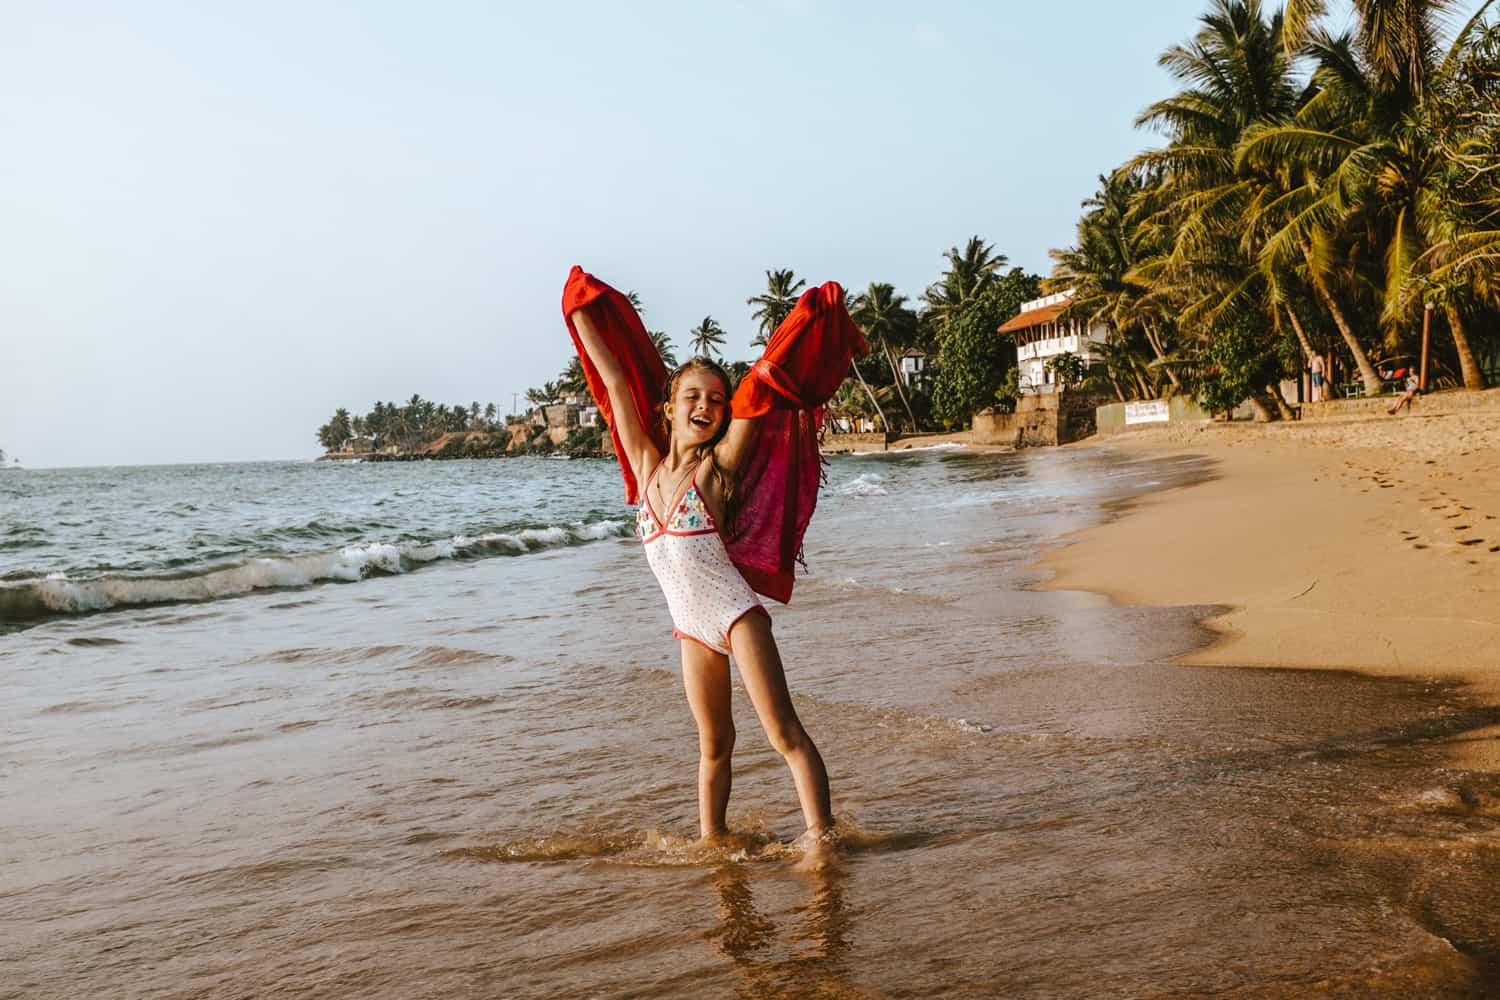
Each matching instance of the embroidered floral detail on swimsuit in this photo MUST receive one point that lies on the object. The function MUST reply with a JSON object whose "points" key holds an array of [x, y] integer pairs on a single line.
{"points": [[645, 523], [691, 515]]}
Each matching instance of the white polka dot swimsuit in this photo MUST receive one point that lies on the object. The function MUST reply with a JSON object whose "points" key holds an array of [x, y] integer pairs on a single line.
{"points": [[705, 592]]}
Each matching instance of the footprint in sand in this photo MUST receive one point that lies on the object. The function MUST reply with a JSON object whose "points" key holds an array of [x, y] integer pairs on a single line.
{"points": [[1460, 527], [1419, 545], [1495, 548], [1471, 541]]}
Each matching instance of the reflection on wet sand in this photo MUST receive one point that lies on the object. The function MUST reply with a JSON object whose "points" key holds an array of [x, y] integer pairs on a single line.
{"points": [[481, 791], [814, 958]]}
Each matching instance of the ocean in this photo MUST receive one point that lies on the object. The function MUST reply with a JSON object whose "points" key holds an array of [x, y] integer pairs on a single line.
{"points": [[417, 730]]}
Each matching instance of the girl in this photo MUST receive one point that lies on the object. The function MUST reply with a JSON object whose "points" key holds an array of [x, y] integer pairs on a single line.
{"points": [[692, 466]]}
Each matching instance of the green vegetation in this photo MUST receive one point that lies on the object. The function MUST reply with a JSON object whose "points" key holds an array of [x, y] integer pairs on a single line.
{"points": [[707, 338], [953, 330], [780, 297], [973, 359], [1316, 189], [408, 427]]}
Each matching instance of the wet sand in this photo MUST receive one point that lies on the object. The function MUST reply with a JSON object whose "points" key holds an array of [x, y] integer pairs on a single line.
{"points": [[477, 780], [1368, 545]]}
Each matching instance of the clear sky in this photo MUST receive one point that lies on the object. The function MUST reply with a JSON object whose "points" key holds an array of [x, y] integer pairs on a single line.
{"points": [[220, 221]]}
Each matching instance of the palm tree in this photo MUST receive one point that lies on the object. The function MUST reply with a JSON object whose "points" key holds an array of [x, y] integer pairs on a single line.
{"points": [[970, 272], [544, 395], [663, 347], [1182, 239], [707, 336], [1374, 175], [884, 318], [573, 381], [1107, 272], [775, 305]]}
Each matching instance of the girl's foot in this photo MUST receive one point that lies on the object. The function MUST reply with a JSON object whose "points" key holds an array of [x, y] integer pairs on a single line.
{"points": [[820, 849]]}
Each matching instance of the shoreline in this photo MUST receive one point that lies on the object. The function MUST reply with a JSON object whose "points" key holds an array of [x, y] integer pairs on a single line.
{"points": [[1370, 546]]}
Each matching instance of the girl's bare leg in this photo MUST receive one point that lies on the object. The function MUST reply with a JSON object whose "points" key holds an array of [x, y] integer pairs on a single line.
{"points": [[760, 667], [705, 677]]}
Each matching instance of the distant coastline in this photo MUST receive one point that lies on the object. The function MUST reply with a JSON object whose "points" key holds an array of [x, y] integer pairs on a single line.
{"points": [[419, 430], [482, 444]]}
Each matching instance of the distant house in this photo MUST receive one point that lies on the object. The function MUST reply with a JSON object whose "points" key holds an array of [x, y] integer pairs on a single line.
{"points": [[560, 415], [914, 368], [358, 445], [1041, 335], [588, 416]]}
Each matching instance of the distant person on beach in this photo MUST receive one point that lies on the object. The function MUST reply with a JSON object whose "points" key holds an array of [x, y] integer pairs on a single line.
{"points": [[729, 480], [1407, 396], [1316, 366]]}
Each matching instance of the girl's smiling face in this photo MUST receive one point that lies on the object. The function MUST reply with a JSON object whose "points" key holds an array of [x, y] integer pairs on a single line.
{"points": [[699, 406]]}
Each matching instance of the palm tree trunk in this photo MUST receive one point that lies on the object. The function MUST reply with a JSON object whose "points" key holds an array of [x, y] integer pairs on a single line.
{"points": [[873, 401], [1140, 381], [900, 390], [1307, 348], [1467, 363], [1367, 371], [1154, 339], [1282, 406]]}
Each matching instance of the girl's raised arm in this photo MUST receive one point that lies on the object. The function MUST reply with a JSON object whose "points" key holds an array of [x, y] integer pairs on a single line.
{"points": [[639, 449], [737, 444]]}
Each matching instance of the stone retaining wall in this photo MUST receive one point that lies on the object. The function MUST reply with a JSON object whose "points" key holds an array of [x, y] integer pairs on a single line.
{"points": [[1043, 420], [1446, 401], [839, 444]]}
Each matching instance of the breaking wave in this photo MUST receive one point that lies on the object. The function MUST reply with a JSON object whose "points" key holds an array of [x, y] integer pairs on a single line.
{"points": [[36, 598], [866, 484]]}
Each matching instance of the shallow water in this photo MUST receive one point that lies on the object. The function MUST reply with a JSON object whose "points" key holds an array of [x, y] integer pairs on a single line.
{"points": [[475, 778]]}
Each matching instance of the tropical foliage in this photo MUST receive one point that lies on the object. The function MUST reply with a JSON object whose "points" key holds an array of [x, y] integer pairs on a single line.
{"points": [[707, 338], [1317, 191], [775, 304], [972, 358], [410, 425]]}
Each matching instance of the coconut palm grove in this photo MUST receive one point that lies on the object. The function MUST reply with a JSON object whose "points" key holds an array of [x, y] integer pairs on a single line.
{"points": [[1318, 188]]}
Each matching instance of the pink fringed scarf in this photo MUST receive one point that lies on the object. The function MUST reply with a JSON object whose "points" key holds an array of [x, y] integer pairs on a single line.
{"points": [[803, 365]]}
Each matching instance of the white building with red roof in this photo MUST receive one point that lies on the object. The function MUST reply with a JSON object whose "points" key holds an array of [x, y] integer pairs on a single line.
{"points": [[1041, 334]]}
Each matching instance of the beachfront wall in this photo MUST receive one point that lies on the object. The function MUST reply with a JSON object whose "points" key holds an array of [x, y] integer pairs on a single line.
{"points": [[1453, 401], [841, 444], [1039, 421], [1118, 417]]}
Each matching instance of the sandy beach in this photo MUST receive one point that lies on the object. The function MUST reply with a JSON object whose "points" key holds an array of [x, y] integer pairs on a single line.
{"points": [[1368, 544]]}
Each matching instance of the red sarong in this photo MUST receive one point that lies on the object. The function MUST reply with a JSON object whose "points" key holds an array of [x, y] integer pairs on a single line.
{"points": [[804, 363], [626, 335]]}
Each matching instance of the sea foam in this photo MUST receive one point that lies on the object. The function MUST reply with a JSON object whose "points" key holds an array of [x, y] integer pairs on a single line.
{"points": [[57, 594]]}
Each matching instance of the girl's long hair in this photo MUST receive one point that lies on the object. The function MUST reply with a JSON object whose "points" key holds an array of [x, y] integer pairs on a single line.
{"points": [[729, 481]]}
